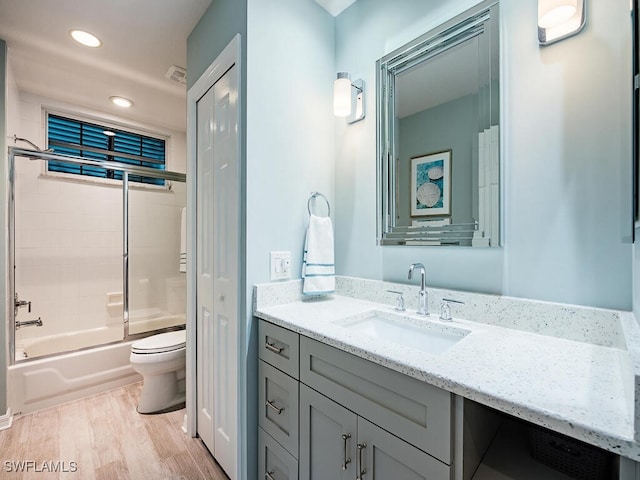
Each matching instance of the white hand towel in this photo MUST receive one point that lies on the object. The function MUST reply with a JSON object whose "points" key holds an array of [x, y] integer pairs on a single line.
{"points": [[318, 269], [183, 241]]}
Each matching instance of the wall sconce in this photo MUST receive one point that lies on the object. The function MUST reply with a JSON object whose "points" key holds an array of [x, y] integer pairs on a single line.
{"points": [[348, 98], [559, 19]]}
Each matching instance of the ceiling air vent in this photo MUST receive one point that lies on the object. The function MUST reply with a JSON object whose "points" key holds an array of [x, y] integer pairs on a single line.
{"points": [[177, 74]]}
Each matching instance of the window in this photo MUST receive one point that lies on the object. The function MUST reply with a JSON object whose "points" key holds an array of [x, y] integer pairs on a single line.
{"points": [[69, 136]]}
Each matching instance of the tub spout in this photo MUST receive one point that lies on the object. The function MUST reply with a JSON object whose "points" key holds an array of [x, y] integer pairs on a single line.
{"points": [[37, 322]]}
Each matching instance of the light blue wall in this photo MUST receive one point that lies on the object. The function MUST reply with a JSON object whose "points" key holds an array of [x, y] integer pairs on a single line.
{"points": [[290, 148], [3, 221], [215, 29], [290, 126], [290, 137], [567, 139]]}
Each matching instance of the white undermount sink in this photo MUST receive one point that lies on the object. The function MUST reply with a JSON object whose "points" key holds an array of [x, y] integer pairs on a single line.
{"points": [[429, 337]]}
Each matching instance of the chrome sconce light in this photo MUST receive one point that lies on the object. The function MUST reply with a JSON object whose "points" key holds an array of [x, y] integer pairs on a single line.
{"points": [[348, 98], [559, 19]]}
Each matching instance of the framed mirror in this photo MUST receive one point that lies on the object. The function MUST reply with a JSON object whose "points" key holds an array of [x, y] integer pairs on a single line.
{"points": [[438, 138]]}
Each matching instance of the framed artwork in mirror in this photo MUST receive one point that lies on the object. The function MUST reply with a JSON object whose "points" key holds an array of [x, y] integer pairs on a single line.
{"points": [[431, 185]]}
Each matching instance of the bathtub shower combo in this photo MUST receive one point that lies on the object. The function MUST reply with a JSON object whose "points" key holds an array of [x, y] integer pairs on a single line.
{"points": [[96, 267]]}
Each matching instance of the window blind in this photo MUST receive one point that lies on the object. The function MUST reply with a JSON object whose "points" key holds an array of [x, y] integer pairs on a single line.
{"points": [[70, 136]]}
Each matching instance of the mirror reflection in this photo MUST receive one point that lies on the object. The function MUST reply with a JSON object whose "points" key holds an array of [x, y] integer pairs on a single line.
{"points": [[438, 135]]}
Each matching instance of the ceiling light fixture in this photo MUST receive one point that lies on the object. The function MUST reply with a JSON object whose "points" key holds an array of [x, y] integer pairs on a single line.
{"points": [[109, 133], [121, 101], [85, 38]]}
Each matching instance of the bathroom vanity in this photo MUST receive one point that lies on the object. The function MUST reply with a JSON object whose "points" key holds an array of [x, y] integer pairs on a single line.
{"points": [[368, 418], [342, 394]]}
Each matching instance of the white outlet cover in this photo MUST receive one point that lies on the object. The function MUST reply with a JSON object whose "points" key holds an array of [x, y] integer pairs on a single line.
{"points": [[280, 265]]}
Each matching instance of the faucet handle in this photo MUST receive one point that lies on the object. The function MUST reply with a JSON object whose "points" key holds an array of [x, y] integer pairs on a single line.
{"points": [[399, 300], [445, 309]]}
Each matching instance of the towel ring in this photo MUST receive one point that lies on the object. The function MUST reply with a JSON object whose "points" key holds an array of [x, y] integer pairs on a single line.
{"points": [[313, 196]]}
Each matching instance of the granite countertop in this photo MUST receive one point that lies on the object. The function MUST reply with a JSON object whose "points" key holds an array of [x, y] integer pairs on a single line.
{"points": [[580, 389]]}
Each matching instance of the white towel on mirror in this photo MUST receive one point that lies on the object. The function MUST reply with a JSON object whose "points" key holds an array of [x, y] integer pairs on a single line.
{"points": [[318, 268], [183, 241]]}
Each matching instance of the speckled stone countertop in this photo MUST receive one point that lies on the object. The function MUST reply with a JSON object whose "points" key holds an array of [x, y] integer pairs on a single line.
{"points": [[572, 369]]}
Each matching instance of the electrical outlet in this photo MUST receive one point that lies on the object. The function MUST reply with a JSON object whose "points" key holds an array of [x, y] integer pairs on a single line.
{"points": [[280, 265]]}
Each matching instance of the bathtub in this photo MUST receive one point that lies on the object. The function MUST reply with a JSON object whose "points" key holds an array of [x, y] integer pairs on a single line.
{"points": [[37, 383]]}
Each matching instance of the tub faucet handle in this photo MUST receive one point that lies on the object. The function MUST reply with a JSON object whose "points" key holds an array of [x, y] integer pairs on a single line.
{"points": [[19, 304]]}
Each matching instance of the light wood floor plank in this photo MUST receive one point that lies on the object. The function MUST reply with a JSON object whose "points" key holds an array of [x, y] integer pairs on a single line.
{"points": [[75, 439], [16, 442], [108, 439]]}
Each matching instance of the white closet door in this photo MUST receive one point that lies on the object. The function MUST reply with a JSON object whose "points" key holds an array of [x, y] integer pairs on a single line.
{"points": [[205, 270], [217, 270]]}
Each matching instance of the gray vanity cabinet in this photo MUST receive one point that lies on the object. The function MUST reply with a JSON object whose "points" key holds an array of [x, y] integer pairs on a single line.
{"points": [[384, 456], [325, 414], [274, 462], [337, 444], [328, 436], [278, 402], [415, 411]]}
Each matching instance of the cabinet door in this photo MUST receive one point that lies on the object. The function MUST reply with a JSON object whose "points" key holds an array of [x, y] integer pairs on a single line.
{"points": [[279, 347], [382, 456], [274, 462], [411, 409], [278, 413], [327, 438]]}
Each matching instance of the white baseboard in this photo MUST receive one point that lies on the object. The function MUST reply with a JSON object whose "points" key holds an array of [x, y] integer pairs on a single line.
{"points": [[6, 420]]}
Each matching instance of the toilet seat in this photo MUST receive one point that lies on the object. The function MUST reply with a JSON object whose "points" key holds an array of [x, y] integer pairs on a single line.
{"points": [[164, 342]]}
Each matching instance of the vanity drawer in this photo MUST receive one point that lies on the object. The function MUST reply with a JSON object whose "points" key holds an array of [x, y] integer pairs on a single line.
{"points": [[415, 411], [274, 462], [278, 404], [279, 347]]}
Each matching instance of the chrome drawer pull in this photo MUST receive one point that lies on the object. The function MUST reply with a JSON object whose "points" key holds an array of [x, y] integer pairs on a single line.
{"points": [[363, 471], [269, 475], [274, 408], [346, 460], [273, 348]]}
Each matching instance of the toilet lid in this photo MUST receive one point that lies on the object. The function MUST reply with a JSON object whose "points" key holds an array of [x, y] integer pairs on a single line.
{"points": [[164, 342]]}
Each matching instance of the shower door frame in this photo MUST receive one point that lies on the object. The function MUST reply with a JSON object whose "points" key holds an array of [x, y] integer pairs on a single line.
{"points": [[126, 170]]}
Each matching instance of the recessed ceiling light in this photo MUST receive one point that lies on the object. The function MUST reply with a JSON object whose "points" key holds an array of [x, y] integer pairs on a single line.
{"points": [[85, 38], [121, 101]]}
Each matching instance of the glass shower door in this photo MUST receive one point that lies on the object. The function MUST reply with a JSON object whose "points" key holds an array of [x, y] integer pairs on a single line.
{"points": [[67, 262], [157, 264]]}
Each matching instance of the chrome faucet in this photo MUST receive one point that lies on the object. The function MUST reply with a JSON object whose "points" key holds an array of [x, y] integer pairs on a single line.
{"points": [[423, 305], [37, 322]]}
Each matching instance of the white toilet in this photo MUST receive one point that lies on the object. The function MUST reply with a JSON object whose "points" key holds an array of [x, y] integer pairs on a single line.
{"points": [[160, 359]]}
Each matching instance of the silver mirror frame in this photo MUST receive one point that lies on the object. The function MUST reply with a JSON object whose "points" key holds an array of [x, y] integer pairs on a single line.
{"points": [[454, 32]]}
